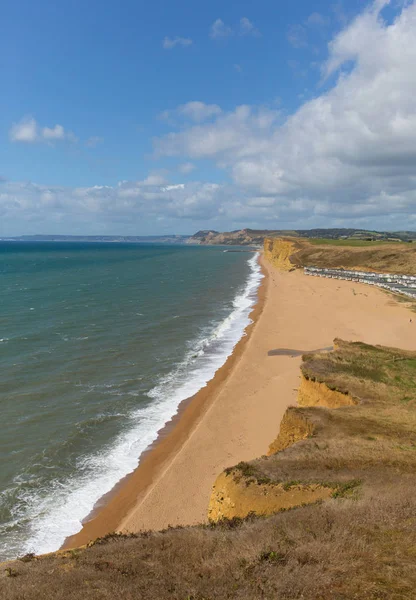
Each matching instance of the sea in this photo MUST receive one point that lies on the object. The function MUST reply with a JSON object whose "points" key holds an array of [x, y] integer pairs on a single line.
{"points": [[99, 344]]}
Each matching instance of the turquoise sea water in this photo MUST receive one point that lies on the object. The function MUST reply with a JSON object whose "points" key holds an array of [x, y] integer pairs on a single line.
{"points": [[99, 343]]}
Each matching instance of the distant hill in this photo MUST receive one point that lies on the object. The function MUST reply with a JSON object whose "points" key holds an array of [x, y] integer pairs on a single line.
{"points": [[143, 239], [248, 237], [239, 237]]}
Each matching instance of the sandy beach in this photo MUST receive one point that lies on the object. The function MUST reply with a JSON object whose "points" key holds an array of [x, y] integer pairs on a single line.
{"points": [[237, 415]]}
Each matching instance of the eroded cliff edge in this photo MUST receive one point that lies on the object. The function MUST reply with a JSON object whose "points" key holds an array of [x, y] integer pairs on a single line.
{"points": [[354, 430], [287, 253], [345, 467], [278, 252]]}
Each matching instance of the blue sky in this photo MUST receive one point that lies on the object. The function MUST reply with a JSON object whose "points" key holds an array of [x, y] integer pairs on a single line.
{"points": [[171, 116]]}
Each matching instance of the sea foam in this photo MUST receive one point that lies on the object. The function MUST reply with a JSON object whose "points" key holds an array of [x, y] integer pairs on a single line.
{"points": [[60, 514]]}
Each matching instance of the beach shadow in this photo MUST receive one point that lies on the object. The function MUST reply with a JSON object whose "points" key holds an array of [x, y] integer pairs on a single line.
{"points": [[293, 353]]}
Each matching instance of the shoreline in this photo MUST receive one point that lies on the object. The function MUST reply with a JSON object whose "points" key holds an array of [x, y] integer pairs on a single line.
{"points": [[112, 509], [237, 415]]}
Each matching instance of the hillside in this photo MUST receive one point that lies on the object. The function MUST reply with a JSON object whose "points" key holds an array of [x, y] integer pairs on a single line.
{"points": [[246, 237], [375, 256], [142, 239], [351, 439]]}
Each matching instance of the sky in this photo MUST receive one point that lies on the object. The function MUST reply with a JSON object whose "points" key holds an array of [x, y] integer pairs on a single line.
{"points": [[135, 118]]}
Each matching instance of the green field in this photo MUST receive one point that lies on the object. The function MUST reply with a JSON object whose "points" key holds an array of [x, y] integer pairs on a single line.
{"points": [[350, 242]]}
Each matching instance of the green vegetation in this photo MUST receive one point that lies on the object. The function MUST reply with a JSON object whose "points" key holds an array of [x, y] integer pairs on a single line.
{"points": [[349, 242], [357, 367], [256, 236], [249, 473]]}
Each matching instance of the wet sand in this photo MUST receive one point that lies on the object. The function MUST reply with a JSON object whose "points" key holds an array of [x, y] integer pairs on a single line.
{"points": [[238, 414]]}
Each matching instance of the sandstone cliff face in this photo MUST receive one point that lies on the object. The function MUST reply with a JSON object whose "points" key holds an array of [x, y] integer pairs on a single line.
{"points": [[235, 495], [278, 251], [243, 490], [314, 393], [242, 237], [293, 428]]}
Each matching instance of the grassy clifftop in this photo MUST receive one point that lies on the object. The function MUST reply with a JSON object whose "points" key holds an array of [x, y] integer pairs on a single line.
{"points": [[369, 439], [352, 438], [379, 256], [347, 528], [257, 236]]}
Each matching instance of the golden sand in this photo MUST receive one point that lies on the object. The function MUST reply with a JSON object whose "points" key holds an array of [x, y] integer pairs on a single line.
{"points": [[237, 415]]}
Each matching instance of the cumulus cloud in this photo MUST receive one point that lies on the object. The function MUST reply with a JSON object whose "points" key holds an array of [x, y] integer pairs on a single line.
{"points": [[244, 27], [238, 133], [155, 178], [24, 131], [27, 130], [347, 154], [54, 133], [169, 43], [220, 30], [127, 203], [345, 158], [194, 111]]}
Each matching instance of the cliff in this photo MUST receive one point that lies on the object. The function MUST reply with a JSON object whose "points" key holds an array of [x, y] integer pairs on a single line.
{"points": [[256, 236], [294, 253], [353, 428], [335, 507], [278, 251], [241, 237], [237, 494]]}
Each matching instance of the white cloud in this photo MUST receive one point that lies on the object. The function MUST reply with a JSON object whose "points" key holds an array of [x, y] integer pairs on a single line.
{"points": [[186, 168], [24, 131], [128, 202], [55, 133], [27, 130], [347, 154], [195, 111], [345, 158], [220, 30], [198, 111], [238, 133], [169, 43], [155, 178], [361, 41], [244, 27]]}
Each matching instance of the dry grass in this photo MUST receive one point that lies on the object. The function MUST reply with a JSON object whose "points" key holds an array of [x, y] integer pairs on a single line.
{"points": [[370, 441], [399, 258], [360, 545], [362, 549]]}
